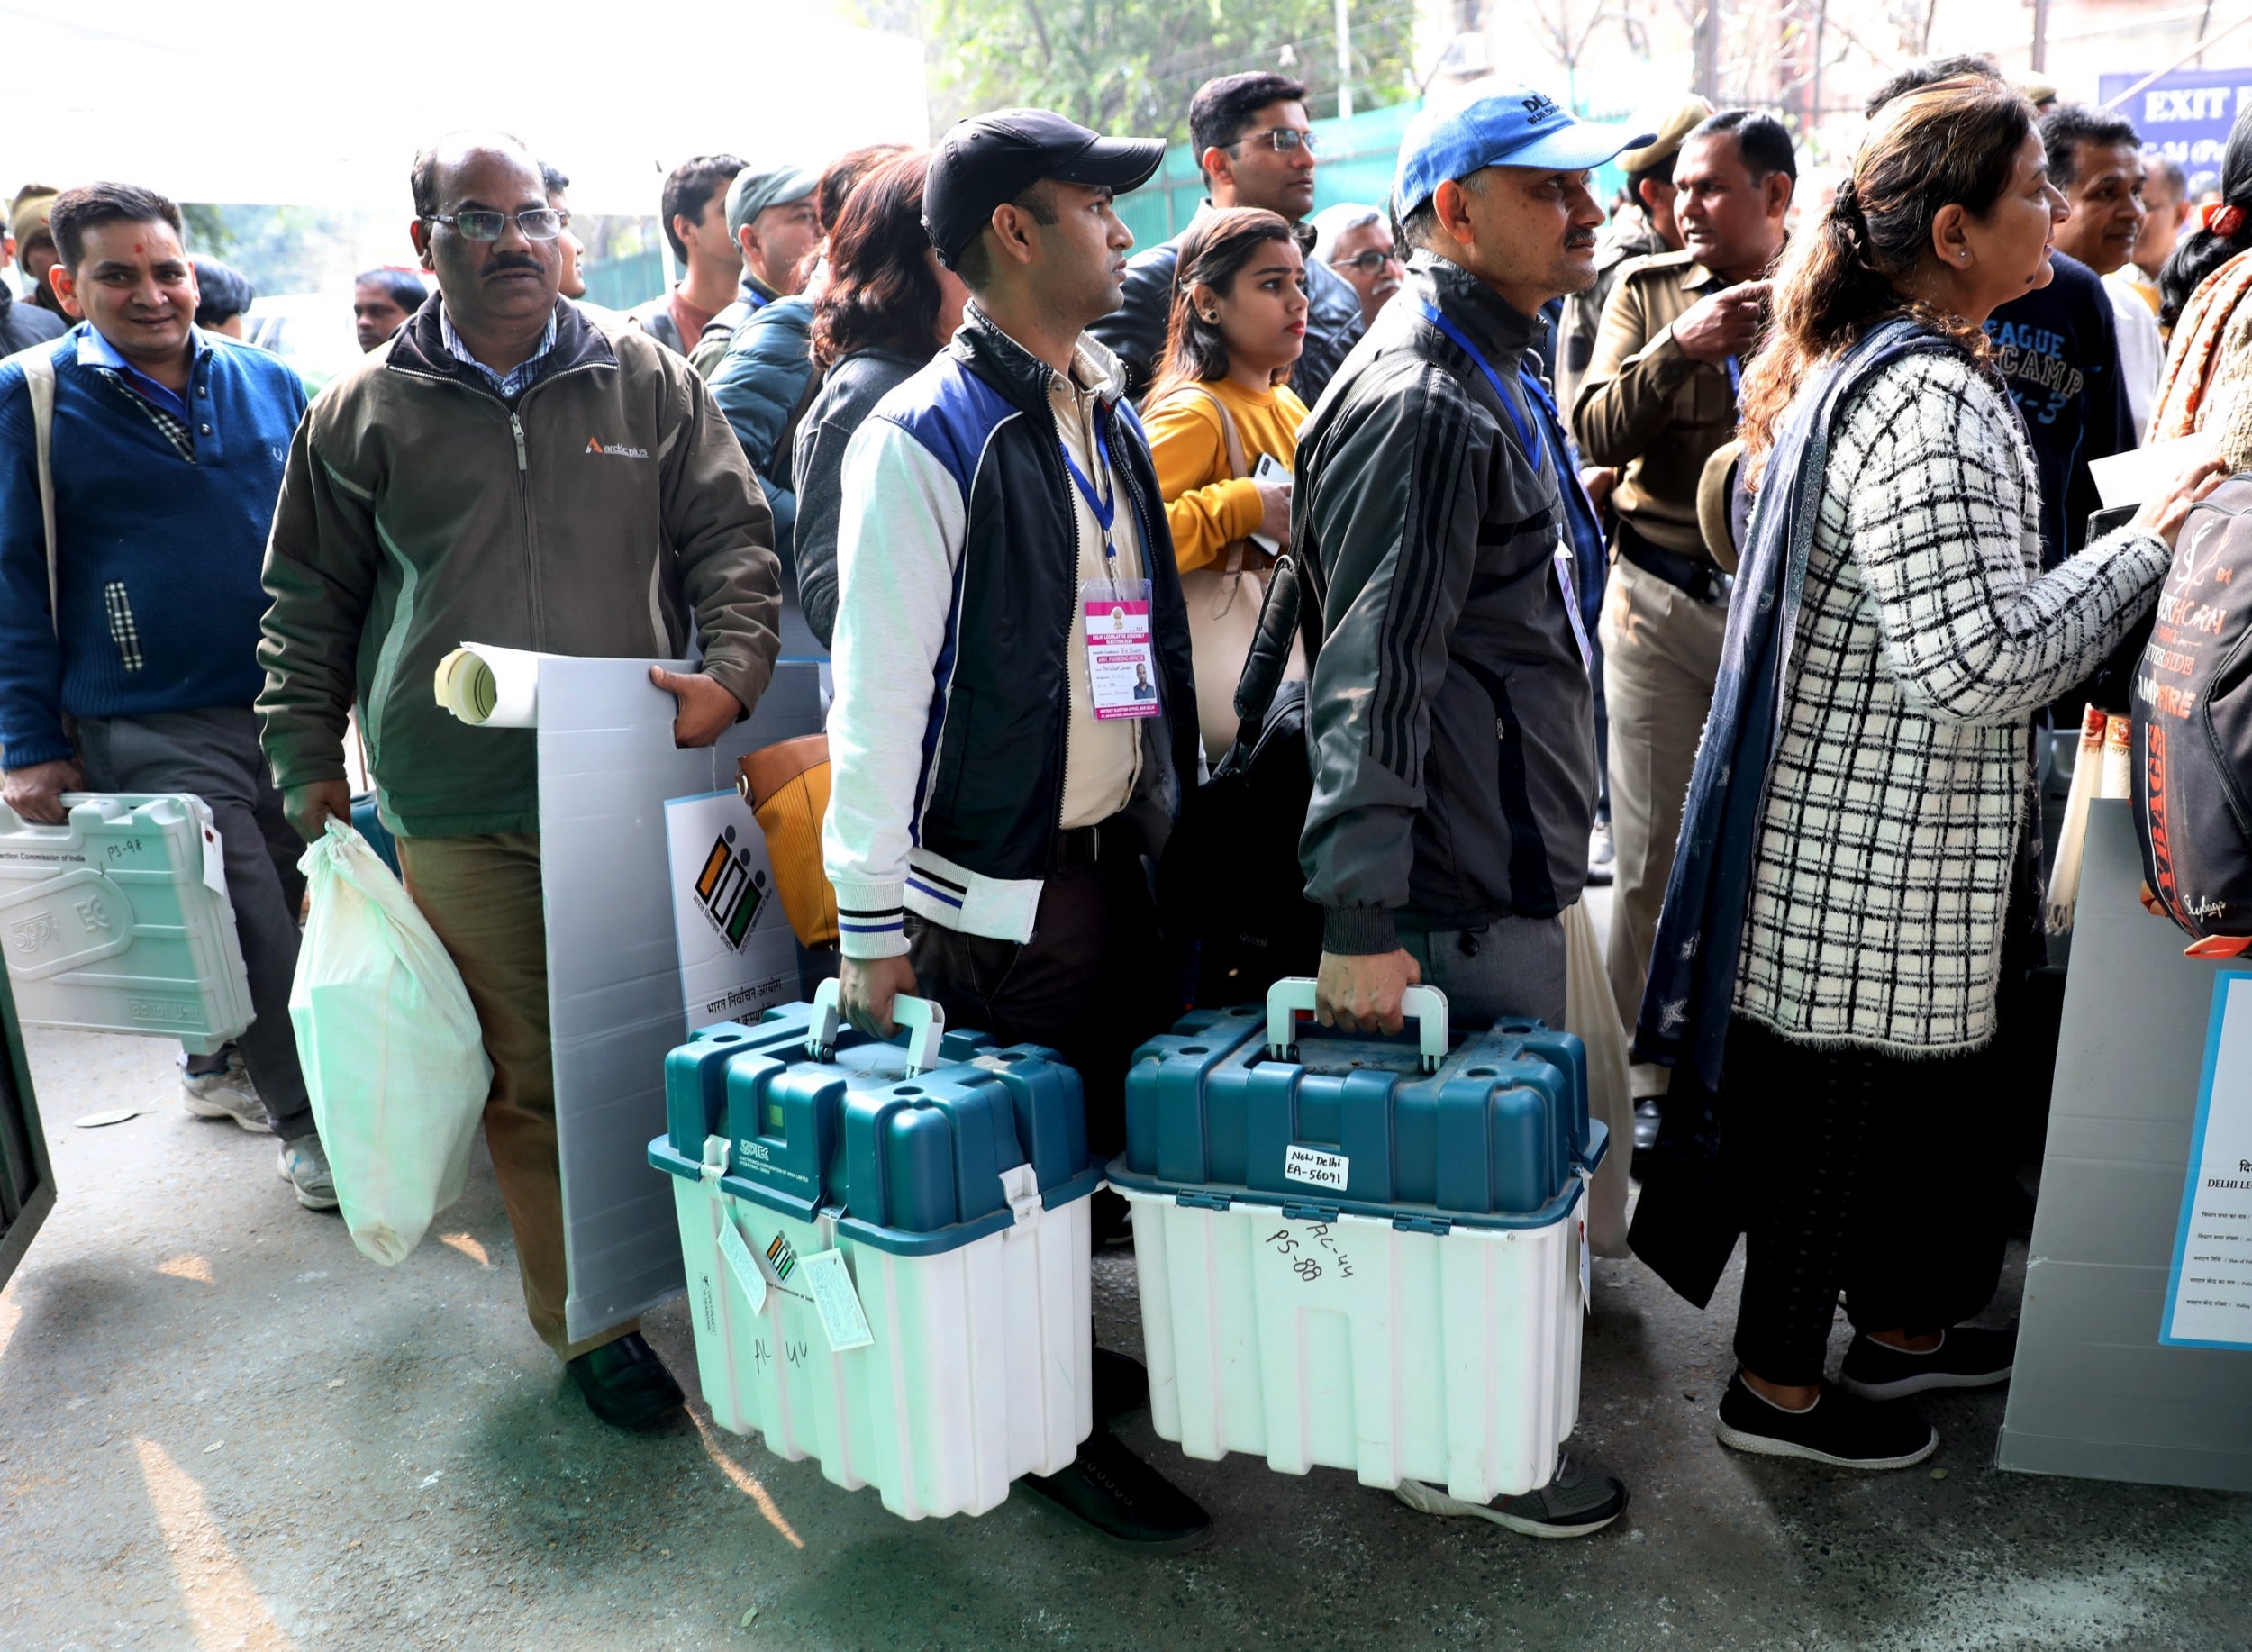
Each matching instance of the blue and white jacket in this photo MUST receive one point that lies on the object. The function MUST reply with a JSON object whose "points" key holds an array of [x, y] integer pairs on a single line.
{"points": [[958, 572]]}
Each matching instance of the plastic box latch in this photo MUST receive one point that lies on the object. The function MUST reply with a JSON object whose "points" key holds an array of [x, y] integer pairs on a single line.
{"points": [[1422, 1224], [1202, 1202]]}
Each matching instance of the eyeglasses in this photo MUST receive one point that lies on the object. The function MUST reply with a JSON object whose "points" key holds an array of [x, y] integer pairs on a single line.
{"points": [[537, 223], [1366, 263], [1282, 139]]}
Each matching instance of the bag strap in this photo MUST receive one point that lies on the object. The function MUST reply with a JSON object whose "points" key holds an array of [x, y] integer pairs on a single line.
{"points": [[39, 384], [1287, 616], [1239, 551]]}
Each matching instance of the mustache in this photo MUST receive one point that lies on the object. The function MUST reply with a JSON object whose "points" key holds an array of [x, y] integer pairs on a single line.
{"points": [[504, 266], [1579, 240]]}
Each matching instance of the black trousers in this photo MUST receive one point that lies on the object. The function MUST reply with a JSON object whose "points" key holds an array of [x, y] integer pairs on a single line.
{"points": [[1092, 984], [1866, 1172]]}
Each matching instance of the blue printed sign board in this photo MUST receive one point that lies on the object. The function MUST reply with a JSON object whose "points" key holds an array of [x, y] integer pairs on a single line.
{"points": [[2209, 1293], [2184, 115]]}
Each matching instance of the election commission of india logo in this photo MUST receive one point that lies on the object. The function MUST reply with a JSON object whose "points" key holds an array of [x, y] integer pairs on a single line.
{"points": [[728, 891], [616, 450]]}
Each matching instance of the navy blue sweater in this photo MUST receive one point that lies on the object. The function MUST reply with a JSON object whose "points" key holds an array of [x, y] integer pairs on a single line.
{"points": [[159, 557]]}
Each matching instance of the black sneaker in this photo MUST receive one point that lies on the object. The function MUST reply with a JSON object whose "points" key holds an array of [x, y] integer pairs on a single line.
{"points": [[1121, 1384], [1967, 1357], [1110, 1218], [626, 1384], [1648, 1114], [1576, 1501], [1124, 1499], [1839, 1428]]}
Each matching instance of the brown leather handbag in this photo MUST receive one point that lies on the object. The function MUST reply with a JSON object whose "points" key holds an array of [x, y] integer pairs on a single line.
{"points": [[786, 786]]}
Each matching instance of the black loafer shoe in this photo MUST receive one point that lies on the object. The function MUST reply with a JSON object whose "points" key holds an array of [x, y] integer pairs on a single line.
{"points": [[626, 1384], [1121, 1384], [1967, 1357], [1124, 1499]]}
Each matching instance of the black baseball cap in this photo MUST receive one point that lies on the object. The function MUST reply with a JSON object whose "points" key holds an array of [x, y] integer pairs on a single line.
{"points": [[995, 158]]}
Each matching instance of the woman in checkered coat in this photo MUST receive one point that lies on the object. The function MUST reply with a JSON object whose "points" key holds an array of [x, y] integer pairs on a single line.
{"points": [[1854, 1106]]}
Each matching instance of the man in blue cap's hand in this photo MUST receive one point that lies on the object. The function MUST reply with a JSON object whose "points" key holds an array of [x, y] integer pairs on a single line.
{"points": [[1451, 719]]}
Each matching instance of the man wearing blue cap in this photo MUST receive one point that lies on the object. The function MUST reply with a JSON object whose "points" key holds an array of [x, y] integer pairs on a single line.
{"points": [[1451, 719]]}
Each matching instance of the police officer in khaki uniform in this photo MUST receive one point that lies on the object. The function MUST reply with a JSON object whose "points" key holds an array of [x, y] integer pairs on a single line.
{"points": [[1630, 234], [1658, 399]]}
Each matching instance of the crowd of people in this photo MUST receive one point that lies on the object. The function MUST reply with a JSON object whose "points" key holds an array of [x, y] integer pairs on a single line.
{"points": [[1726, 545]]}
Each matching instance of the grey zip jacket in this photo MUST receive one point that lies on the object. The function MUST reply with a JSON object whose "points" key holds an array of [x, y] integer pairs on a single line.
{"points": [[1451, 721]]}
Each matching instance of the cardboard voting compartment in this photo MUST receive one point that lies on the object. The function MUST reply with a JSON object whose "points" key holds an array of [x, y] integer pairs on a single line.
{"points": [[607, 769]]}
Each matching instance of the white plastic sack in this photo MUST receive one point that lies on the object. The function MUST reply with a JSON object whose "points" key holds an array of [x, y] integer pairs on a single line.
{"points": [[392, 1053], [1591, 1012]]}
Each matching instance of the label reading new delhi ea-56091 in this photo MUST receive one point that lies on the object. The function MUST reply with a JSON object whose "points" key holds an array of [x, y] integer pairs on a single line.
{"points": [[1315, 1168]]}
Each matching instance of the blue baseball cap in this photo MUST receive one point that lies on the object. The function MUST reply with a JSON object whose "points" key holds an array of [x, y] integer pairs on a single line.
{"points": [[1510, 125]]}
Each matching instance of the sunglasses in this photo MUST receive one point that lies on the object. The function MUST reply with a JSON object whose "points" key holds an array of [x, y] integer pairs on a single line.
{"points": [[537, 223], [1282, 139], [1368, 263]]}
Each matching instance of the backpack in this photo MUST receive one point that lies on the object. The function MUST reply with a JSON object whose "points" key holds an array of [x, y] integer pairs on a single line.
{"points": [[1229, 878], [2192, 696]]}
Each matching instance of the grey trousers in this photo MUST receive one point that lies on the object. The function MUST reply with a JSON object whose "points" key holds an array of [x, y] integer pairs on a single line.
{"points": [[1512, 967], [214, 755]]}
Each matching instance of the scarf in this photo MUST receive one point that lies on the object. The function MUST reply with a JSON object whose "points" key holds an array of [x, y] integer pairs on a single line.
{"points": [[2197, 337], [1691, 989]]}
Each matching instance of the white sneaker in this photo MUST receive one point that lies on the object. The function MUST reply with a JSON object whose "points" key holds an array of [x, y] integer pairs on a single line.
{"points": [[227, 1094], [303, 1164]]}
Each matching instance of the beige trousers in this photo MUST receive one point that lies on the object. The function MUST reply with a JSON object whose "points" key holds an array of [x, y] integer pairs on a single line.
{"points": [[482, 895], [1661, 654]]}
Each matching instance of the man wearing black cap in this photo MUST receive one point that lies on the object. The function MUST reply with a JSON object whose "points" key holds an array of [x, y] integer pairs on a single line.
{"points": [[1451, 718], [997, 784]]}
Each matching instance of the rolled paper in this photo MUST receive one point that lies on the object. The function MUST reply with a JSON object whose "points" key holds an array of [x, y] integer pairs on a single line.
{"points": [[489, 686]]}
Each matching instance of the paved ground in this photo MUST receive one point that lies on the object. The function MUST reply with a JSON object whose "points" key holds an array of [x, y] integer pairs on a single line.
{"points": [[220, 1427]]}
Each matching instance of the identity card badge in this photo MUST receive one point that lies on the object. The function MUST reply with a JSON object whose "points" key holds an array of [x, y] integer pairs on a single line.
{"points": [[1121, 660]]}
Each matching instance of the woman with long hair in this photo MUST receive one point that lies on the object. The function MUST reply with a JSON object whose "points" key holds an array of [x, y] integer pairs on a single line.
{"points": [[888, 307], [1219, 404], [1828, 959], [2204, 289]]}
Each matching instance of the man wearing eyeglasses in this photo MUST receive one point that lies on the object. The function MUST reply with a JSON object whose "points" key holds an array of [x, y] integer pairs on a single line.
{"points": [[513, 469], [1355, 240], [1256, 148]]}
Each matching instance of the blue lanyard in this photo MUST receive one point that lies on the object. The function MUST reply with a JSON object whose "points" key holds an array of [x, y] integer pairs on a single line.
{"points": [[1735, 379], [1529, 440], [1535, 445], [1105, 510]]}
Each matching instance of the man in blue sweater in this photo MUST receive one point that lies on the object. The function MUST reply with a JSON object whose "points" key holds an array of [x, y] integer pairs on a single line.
{"points": [[129, 661]]}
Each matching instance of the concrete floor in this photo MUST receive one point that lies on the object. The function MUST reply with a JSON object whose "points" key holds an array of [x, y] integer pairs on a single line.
{"points": [[220, 1428]]}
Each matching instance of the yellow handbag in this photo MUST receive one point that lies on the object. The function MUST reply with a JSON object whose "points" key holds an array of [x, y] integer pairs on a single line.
{"points": [[786, 786]]}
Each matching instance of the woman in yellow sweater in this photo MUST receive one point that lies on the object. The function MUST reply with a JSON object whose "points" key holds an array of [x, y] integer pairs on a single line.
{"points": [[1219, 404]]}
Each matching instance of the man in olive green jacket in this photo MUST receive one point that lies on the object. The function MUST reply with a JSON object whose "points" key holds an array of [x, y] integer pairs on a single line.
{"points": [[506, 470]]}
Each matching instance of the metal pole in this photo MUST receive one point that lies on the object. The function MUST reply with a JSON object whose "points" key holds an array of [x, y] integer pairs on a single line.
{"points": [[1344, 60], [2040, 35], [1709, 52]]}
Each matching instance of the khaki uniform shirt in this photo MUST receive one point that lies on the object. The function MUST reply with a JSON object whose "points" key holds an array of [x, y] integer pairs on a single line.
{"points": [[1102, 756], [1644, 406], [1624, 239]]}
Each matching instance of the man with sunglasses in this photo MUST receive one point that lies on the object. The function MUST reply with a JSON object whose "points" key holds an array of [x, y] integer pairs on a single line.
{"points": [[511, 469], [1256, 148]]}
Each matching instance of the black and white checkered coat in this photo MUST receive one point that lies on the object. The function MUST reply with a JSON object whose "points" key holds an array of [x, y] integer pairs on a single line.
{"points": [[1927, 639]]}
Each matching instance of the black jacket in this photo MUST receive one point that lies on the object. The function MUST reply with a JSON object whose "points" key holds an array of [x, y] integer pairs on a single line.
{"points": [[1136, 331], [1450, 715], [23, 324], [848, 396]]}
